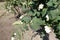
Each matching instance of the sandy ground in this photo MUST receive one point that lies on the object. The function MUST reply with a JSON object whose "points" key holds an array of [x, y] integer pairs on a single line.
{"points": [[6, 20], [6, 27]]}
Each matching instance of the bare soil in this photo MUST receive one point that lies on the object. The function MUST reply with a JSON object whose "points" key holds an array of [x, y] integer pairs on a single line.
{"points": [[6, 20]]}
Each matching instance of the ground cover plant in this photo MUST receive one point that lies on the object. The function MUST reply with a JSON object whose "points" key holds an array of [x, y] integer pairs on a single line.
{"points": [[38, 14]]}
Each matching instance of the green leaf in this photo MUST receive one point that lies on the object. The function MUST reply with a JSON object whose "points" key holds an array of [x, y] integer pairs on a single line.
{"points": [[18, 36], [26, 19], [50, 3], [55, 1], [38, 13], [53, 14], [58, 17], [58, 10], [58, 32], [30, 3], [35, 0], [24, 9], [35, 27], [58, 27], [25, 27], [36, 22], [44, 12], [30, 13]]}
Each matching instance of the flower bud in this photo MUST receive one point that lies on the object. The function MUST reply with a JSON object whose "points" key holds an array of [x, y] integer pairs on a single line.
{"points": [[47, 18]]}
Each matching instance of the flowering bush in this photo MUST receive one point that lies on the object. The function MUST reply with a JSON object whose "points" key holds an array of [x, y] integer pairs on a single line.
{"points": [[39, 14]]}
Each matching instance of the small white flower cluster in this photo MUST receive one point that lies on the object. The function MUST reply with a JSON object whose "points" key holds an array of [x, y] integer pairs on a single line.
{"points": [[13, 38], [47, 29], [47, 17], [40, 6]]}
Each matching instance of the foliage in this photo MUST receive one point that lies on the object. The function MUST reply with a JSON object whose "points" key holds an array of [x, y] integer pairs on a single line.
{"points": [[35, 18]]}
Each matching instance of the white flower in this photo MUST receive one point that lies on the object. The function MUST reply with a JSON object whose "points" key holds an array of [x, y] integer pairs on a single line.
{"points": [[40, 6], [12, 38], [47, 18], [15, 34], [47, 29], [22, 16]]}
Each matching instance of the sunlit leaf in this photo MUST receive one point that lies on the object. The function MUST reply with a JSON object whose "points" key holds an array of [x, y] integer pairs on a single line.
{"points": [[26, 19], [36, 22]]}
